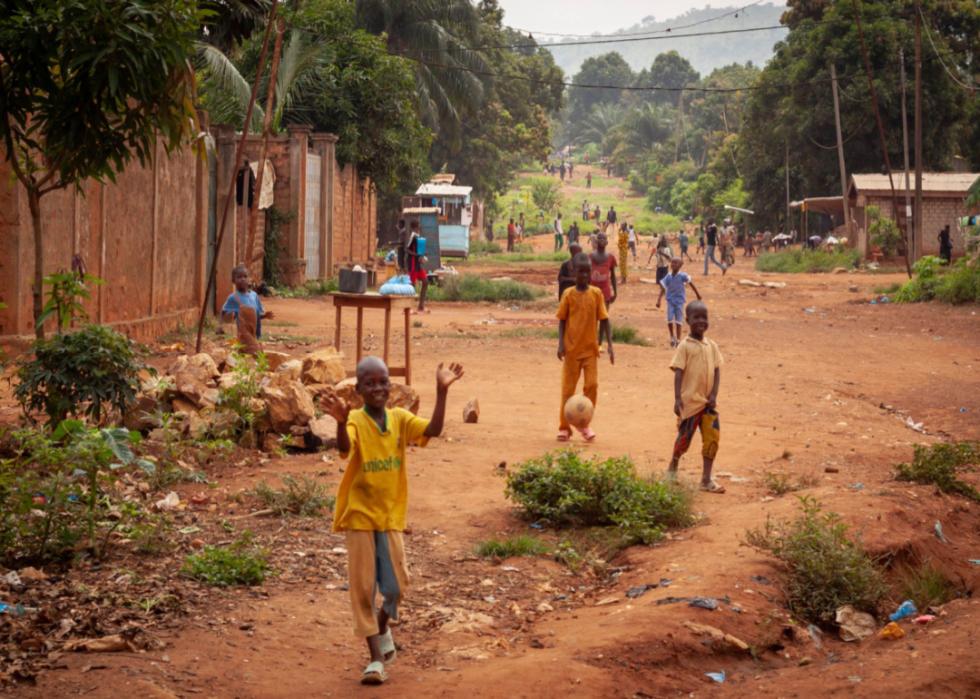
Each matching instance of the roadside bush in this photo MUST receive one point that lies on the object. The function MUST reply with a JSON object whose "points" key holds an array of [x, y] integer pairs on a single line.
{"points": [[546, 193], [825, 567], [522, 545], [88, 372], [471, 288], [240, 563], [311, 287], [960, 284], [939, 465], [567, 490], [240, 394], [883, 232], [800, 261], [628, 335], [483, 247], [302, 496], [925, 585]]}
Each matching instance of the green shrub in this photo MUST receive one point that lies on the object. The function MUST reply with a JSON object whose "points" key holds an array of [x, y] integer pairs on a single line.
{"points": [[311, 287], [799, 261], [961, 284], [240, 563], [628, 335], [567, 490], [471, 288], [883, 232], [825, 567], [68, 291], [546, 193], [239, 395], [522, 545], [939, 464], [88, 372], [302, 496], [483, 247], [926, 585]]}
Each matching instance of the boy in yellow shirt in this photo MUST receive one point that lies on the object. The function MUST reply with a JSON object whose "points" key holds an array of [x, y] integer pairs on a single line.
{"points": [[582, 309], [697, 375], [373, 497]]}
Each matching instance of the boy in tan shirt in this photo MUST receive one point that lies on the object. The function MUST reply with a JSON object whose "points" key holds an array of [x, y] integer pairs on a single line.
{"points": [[697, 375]]}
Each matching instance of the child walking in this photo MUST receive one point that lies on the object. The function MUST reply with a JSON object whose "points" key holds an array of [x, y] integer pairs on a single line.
{"points": [[697, 375], [581, 311], [245, 307], [603, 270], [674, 285], [373, 497]]}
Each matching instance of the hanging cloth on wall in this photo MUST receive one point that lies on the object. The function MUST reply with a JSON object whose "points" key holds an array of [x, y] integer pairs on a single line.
{"points": [[266, 196]]}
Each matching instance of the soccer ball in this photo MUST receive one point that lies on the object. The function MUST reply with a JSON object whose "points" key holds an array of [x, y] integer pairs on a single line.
{"points": [[578, 411]]}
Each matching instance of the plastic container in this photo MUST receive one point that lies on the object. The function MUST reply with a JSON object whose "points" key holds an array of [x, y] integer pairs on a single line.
{"points": [[352, 281]]}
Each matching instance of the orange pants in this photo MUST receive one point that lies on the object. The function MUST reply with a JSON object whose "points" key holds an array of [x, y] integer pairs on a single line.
{"points": [[570, 370], [375, 565]]}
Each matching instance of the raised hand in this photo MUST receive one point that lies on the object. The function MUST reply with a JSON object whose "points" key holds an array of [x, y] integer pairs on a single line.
{"points": [[447, 377], [335, 406]]}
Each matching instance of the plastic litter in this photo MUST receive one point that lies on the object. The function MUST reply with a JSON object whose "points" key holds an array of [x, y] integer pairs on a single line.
{"points": [[815, 635], [892, 632], [905, 609], [15, 609], [856, 486], [913, 425], [810, 310], [718, 677], [938, 529], [974, 561], [709, 603], [640, 590], [854, 625], [923, 618]]}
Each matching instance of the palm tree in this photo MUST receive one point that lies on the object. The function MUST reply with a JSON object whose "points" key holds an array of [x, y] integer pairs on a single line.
{"points": [[602, 120], [434, 35]]}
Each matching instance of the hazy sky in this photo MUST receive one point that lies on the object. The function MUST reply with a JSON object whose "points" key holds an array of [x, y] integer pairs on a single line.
{"points": [[587, 16]]}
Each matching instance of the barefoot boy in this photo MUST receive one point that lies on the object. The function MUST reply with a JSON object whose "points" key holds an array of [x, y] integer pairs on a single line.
{"points": [[581, 311], [245, 307], [373, 497], [674, 285], [697, 374]]}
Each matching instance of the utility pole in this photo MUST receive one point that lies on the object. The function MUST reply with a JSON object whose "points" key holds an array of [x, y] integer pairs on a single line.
{"points": [[840, 153], [909, 229], [786, 170], [917, 210]]}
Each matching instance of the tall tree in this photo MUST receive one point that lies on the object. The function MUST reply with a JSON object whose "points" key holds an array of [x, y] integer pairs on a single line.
{"points": [[85, 87], [609, 69], [670, 70]]}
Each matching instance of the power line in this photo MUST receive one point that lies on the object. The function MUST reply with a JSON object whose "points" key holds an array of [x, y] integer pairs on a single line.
{"points": [[938, 56], [649, 31]]}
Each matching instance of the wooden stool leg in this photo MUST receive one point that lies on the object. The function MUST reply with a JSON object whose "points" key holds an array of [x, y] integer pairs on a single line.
{"points": [[336, 333], [387, 331], [360, 332], [408, 346]]}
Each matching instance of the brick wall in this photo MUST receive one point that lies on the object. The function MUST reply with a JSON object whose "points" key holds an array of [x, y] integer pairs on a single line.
{"points": [[937, 211]]}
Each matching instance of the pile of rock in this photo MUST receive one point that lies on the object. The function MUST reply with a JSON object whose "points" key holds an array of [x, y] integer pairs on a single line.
{"points": [[196, 395]]}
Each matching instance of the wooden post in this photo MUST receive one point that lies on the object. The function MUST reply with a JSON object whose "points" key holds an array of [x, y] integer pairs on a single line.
{"points": [[408, 346], [909, 229], [336, 334], [387, 331], [917, 207], [360, 332], [840, 152]]}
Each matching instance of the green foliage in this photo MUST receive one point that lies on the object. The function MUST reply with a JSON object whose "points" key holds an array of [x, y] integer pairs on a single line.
{"points": [[311, 287], [960, 284], [606, 69], [303, 496], [482, 247], [546, 194], [926, 585], [88, 372], [777, 483], [883, 232], [521, 545], [804, 261], [239, 395], [568, 490], [275, 242], [470, 288], [825, 567], [940, 464], [65, 297], [240, 563], [149, 534], [628, 335], [53, 489]]}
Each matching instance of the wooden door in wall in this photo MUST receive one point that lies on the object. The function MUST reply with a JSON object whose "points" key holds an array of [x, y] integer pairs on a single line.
{"points": [[311, 236]]}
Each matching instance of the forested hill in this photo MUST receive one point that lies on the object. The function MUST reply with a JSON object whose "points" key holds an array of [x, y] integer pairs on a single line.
{"points": [[705, 53]]}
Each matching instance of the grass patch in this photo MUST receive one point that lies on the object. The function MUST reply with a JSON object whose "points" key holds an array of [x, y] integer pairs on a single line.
{"points": [[483, 247], [568, 490], [781, 483], [519, 256], [825, 567], [939, 465], [959, 284], [889, 289], [302, 496], [471, 288], [312, 287], [522, 545], [628, 335], [926, 585], [799, 261], [524, 331], [240, 563]]}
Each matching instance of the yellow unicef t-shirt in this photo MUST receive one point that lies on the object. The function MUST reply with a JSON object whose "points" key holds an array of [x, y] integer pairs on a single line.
{"points": [[373, 495]]}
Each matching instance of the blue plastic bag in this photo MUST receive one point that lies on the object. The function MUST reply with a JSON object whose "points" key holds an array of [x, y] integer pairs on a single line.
{"points": [[399, 285]]}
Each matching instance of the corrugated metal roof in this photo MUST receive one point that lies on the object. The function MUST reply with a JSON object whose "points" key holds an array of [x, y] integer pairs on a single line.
{"points": [[953, 182], [432, 189], [443, 178], [421, 210]]}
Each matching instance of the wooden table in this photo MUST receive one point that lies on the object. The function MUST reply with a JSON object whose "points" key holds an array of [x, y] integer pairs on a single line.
{"points": [[387, 304]]}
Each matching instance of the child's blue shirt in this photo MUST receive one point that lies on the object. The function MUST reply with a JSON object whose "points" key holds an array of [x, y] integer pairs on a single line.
{"points": [[250, 299], [674, 285]]}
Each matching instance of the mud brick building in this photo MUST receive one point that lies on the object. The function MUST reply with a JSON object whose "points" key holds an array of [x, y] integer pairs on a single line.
{"points": [[151, 235]]}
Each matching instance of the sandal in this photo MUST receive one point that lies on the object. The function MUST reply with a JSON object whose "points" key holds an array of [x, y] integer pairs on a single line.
{"points": [[388, 649], [374, 673], [587, 434], [712, 487], [564, 435]]}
